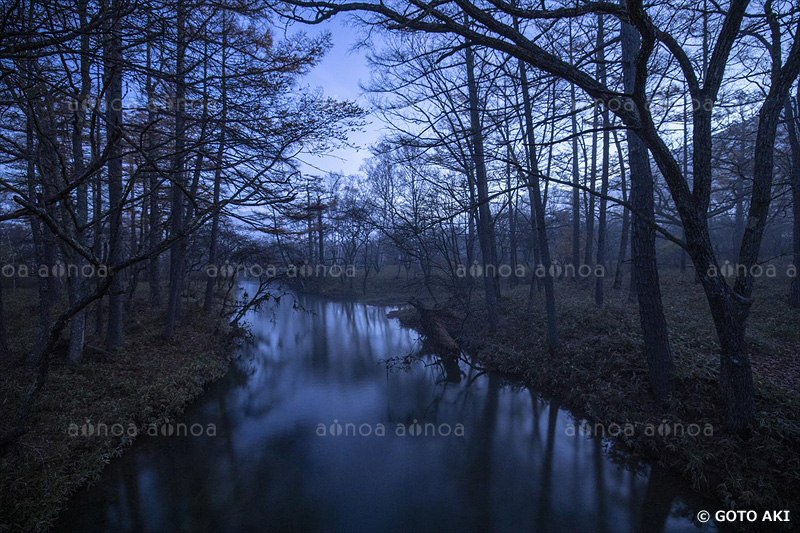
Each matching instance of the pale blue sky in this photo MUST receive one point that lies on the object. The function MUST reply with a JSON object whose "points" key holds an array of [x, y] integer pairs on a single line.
{"points": [[338, 76]]}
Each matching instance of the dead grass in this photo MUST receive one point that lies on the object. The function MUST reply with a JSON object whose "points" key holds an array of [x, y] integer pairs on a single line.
{"points": [[600, 372], [387, 287], [146, 382]]}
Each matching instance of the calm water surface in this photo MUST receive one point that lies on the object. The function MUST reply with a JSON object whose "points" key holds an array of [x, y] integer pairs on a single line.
{"points": [[316, 368]]}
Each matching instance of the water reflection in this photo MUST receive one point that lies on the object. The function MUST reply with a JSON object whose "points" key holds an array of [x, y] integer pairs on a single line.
{"points": [[267, 468]]}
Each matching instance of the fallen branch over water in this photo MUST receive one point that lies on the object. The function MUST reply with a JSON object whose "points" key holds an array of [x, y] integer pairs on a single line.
{"points": [[436, 331]]}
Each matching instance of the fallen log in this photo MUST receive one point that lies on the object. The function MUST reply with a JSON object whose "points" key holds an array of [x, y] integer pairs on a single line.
{"points": [[437, 333]]}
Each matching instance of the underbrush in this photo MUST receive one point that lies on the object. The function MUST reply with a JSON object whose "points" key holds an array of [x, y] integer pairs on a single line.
{"points": [[600, 371], [389, 286], [142, 385]]}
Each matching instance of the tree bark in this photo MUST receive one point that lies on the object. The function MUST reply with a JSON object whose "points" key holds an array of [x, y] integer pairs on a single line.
{"points": [[794, 142], [154, 215], [177, 251], [320, 232], [576, 195], [626, 217], [512, 222], [38, 244], [76, 284], [484, 211], [541, 228], [97, 243], [213, 251], [113, 79], [587, 251], [601, 225], [648, 291]]}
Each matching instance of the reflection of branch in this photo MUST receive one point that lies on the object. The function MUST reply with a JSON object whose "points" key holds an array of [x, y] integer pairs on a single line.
{"points": [[476, 376], [261, 296]]}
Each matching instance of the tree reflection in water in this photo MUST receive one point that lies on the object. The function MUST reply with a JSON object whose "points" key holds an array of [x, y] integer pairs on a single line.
{"points": [[515, 469]]}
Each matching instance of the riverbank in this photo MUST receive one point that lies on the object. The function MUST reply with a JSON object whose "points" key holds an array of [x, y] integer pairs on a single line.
{"points": [[599, 371], [87, 415], [389, 287]]}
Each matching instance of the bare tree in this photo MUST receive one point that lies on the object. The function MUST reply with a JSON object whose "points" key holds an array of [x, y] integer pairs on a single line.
{"points": [[491, 25]]}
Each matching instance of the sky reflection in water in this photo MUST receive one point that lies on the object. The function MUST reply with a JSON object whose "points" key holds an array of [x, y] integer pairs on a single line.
{"points": [[267, 468]]}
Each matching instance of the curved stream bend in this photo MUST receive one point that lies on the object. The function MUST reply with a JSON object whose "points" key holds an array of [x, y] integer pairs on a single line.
{"points": [[313, 430]]}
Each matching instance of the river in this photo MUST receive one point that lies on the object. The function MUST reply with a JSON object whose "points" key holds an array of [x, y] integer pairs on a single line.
{"points": [[332, 420]]}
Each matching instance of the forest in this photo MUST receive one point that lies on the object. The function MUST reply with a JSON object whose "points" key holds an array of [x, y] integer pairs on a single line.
{"points": [[598, 202]]}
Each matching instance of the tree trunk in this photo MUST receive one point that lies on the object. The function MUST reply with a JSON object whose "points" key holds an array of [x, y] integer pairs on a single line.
{"points": [[648, 291], [541, 228], [587, 252], [536, 281], [321, 233], [113, 79], [154, 233], [309, 226], [38, 244], [576, 195], [97, 244], [98, 248], [794, 142], [472, 220], [738, 193], [512, 224], [484, 211], [601, 225], [178, 248], [685, 161], [42, 153], [77, 283], [133, 244], [626, 218], [213, 252]]}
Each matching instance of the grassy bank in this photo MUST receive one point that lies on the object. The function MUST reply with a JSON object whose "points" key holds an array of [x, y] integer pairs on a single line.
{"points": [[600, 371], [145, 383], [389, 286]]}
